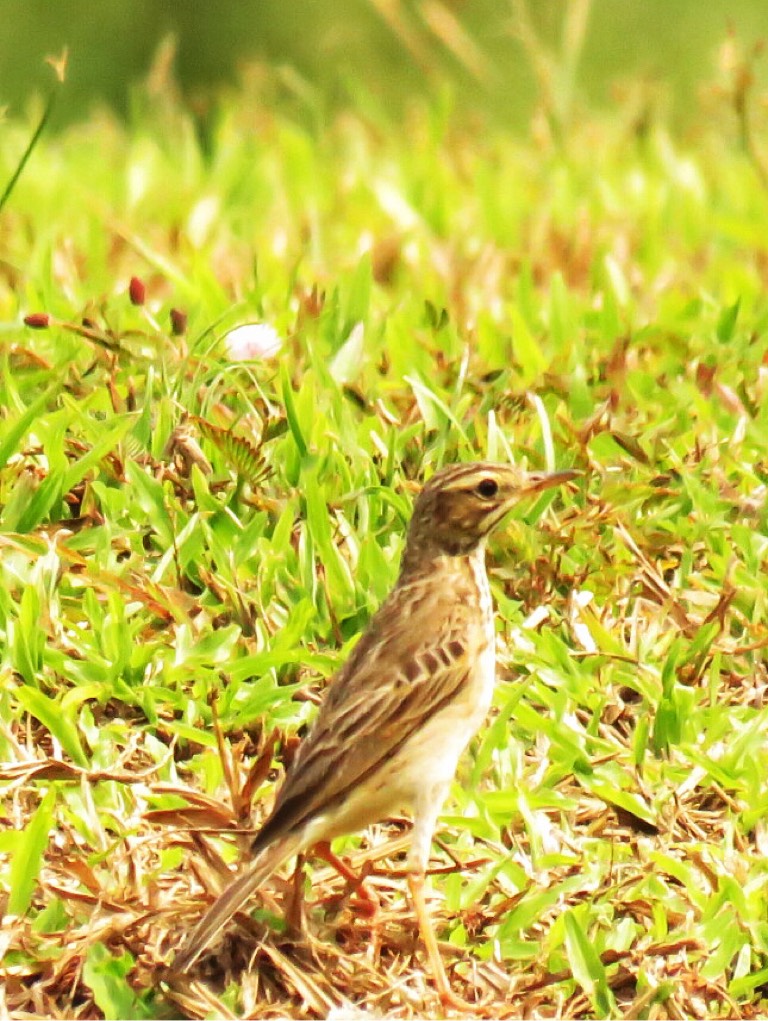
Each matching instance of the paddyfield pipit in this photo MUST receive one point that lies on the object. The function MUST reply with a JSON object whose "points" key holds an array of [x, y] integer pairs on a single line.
{"points": [[400, 712]]}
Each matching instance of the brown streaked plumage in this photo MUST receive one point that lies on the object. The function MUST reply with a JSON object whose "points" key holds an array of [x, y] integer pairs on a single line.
{"points": [[400, 712]]}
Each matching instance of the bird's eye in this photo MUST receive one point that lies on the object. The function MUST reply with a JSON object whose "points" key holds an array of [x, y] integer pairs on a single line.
{"points": [[487, 488]]}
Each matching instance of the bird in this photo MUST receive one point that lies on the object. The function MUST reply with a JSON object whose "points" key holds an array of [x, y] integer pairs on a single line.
{"points": [[397, 716]]}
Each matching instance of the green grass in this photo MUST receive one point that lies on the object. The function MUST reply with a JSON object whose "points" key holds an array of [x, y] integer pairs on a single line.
{"points": [[189, 545]]}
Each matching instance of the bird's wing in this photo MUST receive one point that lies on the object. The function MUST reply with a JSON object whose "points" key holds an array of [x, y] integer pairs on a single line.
{"points": [[378, 699]]}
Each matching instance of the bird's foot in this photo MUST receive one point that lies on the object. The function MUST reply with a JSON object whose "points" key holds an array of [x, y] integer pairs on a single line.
{"points": [[365, 899]]}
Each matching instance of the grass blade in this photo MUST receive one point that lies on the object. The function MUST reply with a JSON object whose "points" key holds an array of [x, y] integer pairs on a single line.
{"points": [[587, 967], [28, 856]]}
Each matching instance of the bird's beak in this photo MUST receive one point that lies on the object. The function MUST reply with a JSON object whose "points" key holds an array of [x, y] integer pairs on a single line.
{"points": [[534, 482]]}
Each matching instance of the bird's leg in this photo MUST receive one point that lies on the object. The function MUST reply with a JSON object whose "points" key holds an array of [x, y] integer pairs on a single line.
{"points": [[444, 991], [356, 880], [448, 998], [367, 898], [426, 810]]}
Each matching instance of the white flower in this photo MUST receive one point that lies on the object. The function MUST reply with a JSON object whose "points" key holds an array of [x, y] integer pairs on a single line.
{"points": [[253, 341]]}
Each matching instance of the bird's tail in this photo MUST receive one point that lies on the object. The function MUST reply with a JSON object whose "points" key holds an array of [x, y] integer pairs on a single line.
{"points": [[233, 897]]}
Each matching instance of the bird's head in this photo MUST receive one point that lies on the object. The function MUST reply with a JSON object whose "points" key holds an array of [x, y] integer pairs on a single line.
{"points": [[461, 504]]}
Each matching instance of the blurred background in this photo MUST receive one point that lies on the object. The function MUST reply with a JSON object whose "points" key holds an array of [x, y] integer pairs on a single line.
{"points": [[493, 53]]}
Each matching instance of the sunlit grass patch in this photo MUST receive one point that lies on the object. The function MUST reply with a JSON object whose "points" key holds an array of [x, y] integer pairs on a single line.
{"points": [[192, 538]]}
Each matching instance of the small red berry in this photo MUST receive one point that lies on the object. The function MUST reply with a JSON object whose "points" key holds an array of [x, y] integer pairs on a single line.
{"points": [[38, 320], [137, 292]]}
